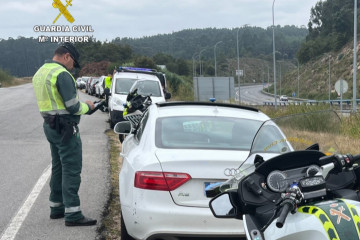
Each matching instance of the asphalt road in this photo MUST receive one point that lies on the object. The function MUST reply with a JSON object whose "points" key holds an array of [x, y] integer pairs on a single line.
{"points": [[252, 95], [25, 167]]}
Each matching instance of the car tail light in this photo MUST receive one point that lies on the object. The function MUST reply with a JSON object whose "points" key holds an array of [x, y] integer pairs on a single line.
{"points": [[163, 181]]}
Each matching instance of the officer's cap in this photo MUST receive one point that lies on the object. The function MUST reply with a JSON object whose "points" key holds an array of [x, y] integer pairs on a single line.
{"points": [[73, 52]]}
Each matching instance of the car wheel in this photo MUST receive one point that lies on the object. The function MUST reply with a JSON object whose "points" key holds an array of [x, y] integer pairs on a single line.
{"points": [[112, 125], [124, 234]]}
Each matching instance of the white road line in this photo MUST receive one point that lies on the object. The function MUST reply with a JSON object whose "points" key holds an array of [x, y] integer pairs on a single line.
{"points": [[19, 218]]}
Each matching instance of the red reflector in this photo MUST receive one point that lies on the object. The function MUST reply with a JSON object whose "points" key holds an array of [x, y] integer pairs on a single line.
{"points": [[163, 181]]}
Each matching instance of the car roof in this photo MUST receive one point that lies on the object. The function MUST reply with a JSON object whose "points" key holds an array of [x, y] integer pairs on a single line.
{"points": [[209, 109]]}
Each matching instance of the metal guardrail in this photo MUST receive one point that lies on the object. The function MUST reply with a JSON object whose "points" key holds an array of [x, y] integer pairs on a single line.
{"points": [[346, 103]]}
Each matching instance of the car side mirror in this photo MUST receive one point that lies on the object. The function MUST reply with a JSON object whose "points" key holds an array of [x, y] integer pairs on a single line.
{"points": [[123, 128], [167, 95], [222, 205]]}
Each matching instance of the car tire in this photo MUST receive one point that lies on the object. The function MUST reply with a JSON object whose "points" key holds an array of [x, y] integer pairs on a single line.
{"points": [[124, 234], [112, 125]]}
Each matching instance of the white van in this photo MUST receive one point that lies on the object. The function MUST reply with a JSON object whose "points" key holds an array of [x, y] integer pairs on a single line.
{"points": [[127, 78]]}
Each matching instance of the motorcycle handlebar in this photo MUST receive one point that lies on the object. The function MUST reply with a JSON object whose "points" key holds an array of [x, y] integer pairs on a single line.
{"points": [[341, 162], [287, 207], [356, 158]]}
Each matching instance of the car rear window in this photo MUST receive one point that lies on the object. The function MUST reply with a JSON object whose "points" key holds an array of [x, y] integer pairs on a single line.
{"points": [[205, 132], [123, 85]]}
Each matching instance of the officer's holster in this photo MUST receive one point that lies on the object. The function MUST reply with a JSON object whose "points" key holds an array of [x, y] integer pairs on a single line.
{"points": [[62, 126]]}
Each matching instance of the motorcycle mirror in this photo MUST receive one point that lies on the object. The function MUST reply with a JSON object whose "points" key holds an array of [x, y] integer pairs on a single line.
{"points": [[123, 128], [314, 147], [258, 160], [167, 95], [222, 207]]}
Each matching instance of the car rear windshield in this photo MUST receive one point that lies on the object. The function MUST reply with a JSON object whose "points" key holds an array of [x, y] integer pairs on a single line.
{"points": [[205, 132], [123, 85], [148, 88]]}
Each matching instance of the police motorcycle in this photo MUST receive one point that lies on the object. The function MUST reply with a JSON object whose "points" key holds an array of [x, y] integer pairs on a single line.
{"points": [[136, 105], [296, 183]]}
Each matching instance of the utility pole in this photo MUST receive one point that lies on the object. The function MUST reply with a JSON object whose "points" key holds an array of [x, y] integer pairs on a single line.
{"points": [[355, 57], [215, 56], [238, 58], [329, 81], [274, 61]]}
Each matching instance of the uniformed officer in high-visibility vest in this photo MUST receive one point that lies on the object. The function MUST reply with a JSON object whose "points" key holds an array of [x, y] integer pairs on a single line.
{"points": [[59, 105], [107, 87]]}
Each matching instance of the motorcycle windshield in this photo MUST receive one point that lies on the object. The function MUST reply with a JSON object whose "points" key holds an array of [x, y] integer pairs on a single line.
{"points": [[308, 131], [299, 132]]}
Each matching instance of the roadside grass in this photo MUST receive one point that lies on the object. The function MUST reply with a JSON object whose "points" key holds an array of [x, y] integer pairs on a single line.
{"points": [[5, 78], [15, 81], [111, 225], [348, 139]]}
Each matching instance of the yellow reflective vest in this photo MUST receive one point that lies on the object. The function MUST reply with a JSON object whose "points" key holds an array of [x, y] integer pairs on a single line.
{"points": [[108, 82], [47, 95]]}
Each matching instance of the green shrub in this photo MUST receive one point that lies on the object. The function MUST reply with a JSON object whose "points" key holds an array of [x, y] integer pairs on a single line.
{"points": [[5, 78]]}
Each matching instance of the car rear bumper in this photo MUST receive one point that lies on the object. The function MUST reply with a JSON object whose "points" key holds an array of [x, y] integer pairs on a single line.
{"points": [[156, 216]]}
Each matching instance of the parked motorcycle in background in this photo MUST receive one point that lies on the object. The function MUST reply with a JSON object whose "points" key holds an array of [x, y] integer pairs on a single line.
{"points": [[300, 181]]}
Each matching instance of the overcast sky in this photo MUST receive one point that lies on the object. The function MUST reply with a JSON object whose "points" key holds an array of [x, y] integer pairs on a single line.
{"points": [[138, 18]]}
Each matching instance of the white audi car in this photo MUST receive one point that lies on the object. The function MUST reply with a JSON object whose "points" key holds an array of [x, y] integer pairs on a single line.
{"points": [[178, 149]]}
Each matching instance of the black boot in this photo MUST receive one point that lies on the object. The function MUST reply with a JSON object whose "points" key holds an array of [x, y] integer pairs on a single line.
{"points": [[81, 222], [56, 216]]}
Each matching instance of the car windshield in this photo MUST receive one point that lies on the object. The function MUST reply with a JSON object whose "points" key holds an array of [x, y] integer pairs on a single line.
{"points": [[123, 85], [205, 132], [148, 88]]}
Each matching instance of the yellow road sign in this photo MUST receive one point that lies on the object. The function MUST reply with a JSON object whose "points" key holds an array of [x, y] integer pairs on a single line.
{"points": [[63, 10]]}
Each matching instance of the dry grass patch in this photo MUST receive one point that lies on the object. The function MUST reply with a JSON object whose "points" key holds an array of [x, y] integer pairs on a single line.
{"points": [[16, 82], [111, 229]]}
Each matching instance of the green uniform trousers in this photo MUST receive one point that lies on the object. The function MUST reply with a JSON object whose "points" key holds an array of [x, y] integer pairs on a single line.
{"points": [[65, 175]]}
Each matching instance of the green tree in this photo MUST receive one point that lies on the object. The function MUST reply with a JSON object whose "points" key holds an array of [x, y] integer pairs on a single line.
{"points": [[145, 62], [330, 28]]}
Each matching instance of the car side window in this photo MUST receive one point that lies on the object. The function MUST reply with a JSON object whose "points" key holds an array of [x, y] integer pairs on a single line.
{"points": [[141, 127]]}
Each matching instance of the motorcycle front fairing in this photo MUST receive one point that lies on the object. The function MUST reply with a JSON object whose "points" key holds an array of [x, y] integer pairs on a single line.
{"points": [[332, 219]]}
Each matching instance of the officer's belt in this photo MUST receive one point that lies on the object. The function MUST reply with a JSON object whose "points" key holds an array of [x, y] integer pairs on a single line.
{"points": [[61, 125]]}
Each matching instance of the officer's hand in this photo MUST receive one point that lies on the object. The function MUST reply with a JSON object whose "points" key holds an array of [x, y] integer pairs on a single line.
{"points": [[91, 104]]}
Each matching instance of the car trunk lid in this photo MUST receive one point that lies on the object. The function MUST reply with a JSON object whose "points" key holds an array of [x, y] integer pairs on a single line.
{"points": [[204, 166]]}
